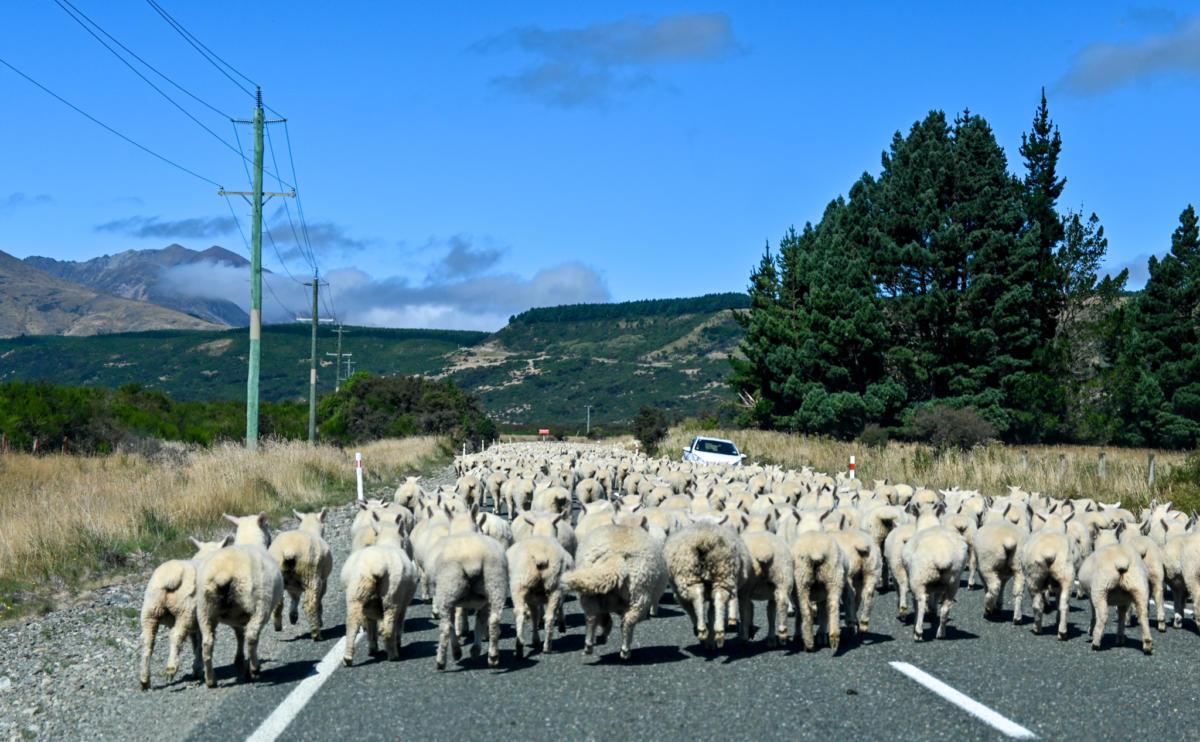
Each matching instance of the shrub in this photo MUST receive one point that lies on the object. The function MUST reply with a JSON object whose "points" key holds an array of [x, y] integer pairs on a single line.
{"points": [[650, 428], [1182, 485], [370, 407], [874, 436], [950, 427]]}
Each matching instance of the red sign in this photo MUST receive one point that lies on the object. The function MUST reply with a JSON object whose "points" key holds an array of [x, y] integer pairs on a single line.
{"points": [[543, 431]]}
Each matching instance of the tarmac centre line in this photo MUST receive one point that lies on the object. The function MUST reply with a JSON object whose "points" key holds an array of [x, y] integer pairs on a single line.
{"points": [[992, 718], [275, 724]]}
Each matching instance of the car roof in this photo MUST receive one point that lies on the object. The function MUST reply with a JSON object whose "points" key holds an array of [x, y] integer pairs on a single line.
{"points": [[718, 440]]}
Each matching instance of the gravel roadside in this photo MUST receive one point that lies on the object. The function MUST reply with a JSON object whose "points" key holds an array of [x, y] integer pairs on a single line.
{"points": [[73, 672]]}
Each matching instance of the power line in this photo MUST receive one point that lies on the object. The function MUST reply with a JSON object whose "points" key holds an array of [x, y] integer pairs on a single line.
{"points": [[299, 203], [237, 136], [64, 4], [309, 256], [157, 89], [246, 242], [105, 126], [208, 54]]}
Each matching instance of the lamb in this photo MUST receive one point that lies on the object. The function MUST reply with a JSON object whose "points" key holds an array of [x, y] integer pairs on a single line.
{"points": [[379, 581], [170, 600], [934, 559], [305, 562], [470, 574], [239, 586], [771, 576], [1114, 573], [996, 546], [1048, 559], [820, 575], [709, 566], [618, 569], [535, 569]]}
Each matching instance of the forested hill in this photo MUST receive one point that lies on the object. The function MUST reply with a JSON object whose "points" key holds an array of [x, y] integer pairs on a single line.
{"points": [[542, 369]]}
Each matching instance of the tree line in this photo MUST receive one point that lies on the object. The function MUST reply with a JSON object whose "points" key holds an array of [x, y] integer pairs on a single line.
{"points": [[947, 282]]}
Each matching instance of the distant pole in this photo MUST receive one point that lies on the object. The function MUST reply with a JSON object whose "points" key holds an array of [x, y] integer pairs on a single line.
{"points": [[337, 384], [255, 197], [1103, 465], [312, 368], [358, 475], [589, 419], [1150, 470]]}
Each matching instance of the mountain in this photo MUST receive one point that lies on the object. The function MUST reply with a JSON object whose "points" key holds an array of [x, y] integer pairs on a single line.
{"points": [[137, 274], [542, 369], [34, 302]]}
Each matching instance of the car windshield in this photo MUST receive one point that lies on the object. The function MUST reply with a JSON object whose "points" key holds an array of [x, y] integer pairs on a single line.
{"points": [[724, 448]]}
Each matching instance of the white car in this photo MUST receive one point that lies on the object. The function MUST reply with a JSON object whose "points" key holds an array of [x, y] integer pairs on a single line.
{"points": [[713, 451]]}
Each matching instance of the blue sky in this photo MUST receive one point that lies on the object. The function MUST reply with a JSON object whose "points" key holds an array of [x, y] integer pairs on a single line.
{"points": [[460, 162]]}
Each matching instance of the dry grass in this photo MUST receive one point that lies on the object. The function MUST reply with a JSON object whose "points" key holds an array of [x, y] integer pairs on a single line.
{"points": [[69, 517], [1062, 471]]}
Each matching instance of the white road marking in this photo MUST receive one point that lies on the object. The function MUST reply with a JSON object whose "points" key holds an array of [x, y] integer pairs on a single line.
{"points": [[1004, 725], [273, 726], [1169, 605]]}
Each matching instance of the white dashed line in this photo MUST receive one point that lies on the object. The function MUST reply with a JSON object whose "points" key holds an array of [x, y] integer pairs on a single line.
{"points": [[274, 725], [1171, 606], [993, 719]]}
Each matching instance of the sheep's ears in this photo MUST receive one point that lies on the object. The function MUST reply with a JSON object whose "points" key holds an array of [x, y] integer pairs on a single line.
{"points": [[558, 518], [262, 520], [1007, 508], [399, 520], [1190, 524], [642, 523], [474, 510], [987, 502], [196, 543], [1069, 517], [1166, 527], [375, 515], [362, 505], [227, 541], [231, 518], [723, 519], [299, 515], [448, 511], [825, 514], [940, 509], [478, 517], [321, 516]]}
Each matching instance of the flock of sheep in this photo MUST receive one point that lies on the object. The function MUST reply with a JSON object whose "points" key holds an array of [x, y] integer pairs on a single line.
{"points": [[720, 537]]}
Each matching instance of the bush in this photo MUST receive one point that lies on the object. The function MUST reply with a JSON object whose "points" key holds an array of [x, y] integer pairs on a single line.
{"points": [[372, 407], [874, 436], [650, 428], [950, 427], [1182, 485]]}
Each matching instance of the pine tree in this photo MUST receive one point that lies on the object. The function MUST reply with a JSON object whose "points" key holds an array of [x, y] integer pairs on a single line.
{"points": [[1041, 148]]}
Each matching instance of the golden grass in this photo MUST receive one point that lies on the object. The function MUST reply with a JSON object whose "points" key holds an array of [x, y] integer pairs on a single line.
{"points": [[1062, 471], [67, 516]]}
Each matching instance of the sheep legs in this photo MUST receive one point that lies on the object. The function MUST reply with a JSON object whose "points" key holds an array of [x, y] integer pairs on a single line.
{"points": [[721, 615], [947, 603], [253, 631], [866, 600], [179, 632], [207, 635], [447, 637], [493, 619], [1064, 607], [553, 609], [354, 619], [628, 622], [1099, 617], [832, 622], [901, 576], [312, 610]]}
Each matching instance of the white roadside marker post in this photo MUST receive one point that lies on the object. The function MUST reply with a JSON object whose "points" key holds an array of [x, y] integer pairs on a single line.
{"points": [[358, 475], [852, 467]]}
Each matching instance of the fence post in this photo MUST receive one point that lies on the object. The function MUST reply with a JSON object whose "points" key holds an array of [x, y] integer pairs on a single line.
{"points": [[35, 445], [1025, 458], [358, 475], [1062, 465], [1103, 465], [1150, 470]]}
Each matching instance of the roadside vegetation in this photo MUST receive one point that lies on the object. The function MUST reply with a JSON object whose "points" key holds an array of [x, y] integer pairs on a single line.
{"points": [[1061, 471], [66, 519]]}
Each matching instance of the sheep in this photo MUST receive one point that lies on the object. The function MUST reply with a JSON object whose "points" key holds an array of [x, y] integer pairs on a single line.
{"points": [[820, 575], [996, 547], [771, 576], [535, 569], [409, 493], [518, 495], [305, 562], [934, 559], [709, 566], [595, 515], [1179, 541], [522, 528], [1151, 554], [864, 567], [1049, 558], [588, 490], [879, 521], [379, 581], [618, 569], [1115, 573], [893, 549], [470, 574], [239, 586], [170, 599], [497, 527]]}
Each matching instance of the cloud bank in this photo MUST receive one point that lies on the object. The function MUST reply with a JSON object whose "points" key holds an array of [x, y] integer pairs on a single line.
{"points": [[595, 64], [457, 293], [19, 200], [1101, 67], [196, 228]]}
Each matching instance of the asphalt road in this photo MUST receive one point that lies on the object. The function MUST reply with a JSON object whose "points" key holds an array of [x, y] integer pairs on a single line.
{"points": [[673, 689]]}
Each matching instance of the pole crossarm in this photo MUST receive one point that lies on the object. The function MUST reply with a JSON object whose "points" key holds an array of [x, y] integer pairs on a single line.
{"points": [[266, 194]]}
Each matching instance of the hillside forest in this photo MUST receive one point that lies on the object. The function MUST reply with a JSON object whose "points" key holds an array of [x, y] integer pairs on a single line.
{"points": [[945, 281]]}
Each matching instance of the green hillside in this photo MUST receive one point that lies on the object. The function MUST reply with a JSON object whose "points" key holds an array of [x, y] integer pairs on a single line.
{"points": [[543, 368]]}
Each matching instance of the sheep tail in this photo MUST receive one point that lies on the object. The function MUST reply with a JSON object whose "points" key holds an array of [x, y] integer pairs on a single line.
{"points": [[1010, 545], [1122, 564], [1049, 556], [171, 582], [596, 579]]}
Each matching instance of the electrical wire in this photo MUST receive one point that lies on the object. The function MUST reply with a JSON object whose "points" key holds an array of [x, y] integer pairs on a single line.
{"points": [[299, 203], [266, 283], [308, 255], [157, 89], [204, 51], [106, 127], [65, 4], [270, 237]]}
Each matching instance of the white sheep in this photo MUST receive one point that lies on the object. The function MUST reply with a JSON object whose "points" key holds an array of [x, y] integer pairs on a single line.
{"points": [[709, 566], [1115, 573], [170, 600], [379, 581], [305, 562], [469, 574], [409, 493], [864, 568], [1049, 558], [772, 575], [535, 569], [820, 576], [934, 558], [997, 544], [618, 569], [239, 586]]}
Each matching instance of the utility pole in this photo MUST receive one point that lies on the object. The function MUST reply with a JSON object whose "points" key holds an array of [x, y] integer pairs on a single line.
{"points": [[337, 384], [589, 420], [312, 361], [256, 209]]}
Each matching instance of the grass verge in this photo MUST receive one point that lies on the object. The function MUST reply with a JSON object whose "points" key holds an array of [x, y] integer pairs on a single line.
{"points": [[67, 520]]}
